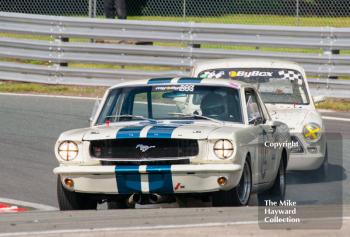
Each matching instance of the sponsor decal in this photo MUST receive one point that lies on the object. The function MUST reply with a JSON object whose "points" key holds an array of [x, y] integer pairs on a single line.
{"points": [[212, 74], [291, 75], [178, 186], [233, 73], [182, 88], [250, 74]]}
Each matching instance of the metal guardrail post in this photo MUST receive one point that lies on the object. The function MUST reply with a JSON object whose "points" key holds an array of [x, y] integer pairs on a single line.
{"points": [[331, 51], [94, 8], [184, 10], [90, 8], [297, 13]]}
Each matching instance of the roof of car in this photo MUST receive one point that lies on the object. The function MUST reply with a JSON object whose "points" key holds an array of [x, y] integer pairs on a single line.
{"points": [[246, 63], [183, 81]]}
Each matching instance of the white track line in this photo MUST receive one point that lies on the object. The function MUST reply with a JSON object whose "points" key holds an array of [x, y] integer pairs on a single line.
{"points": [[37, 206], [156, 227], [336, 118]]}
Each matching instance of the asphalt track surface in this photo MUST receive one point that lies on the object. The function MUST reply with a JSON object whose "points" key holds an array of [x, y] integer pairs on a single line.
{"points": [[30, 125]]}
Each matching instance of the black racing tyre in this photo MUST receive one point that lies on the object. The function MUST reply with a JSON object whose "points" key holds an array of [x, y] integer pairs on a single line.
{"points": [[278, 191], [68, 200], [238, 196]]}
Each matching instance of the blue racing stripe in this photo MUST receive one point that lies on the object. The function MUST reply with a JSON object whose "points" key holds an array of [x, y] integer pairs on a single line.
{"points": [[189, 80], [160, 80], [129, 132], [128, 179], [160, 179], [161, 131]]}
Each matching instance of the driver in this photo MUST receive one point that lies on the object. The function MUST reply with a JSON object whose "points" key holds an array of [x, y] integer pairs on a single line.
{"points": [[212, 105]]}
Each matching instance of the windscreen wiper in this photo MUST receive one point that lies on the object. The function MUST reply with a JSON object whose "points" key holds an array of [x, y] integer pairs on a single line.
{"points": [[198, 116], [130, 116]]}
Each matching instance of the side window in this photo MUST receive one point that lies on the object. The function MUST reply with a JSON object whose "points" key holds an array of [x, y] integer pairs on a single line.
{"points": [[253, 108]]}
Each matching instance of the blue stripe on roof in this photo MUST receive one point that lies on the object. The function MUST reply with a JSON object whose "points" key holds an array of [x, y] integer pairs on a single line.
{"points": [[129, 132], [159, 80], [128, 179], [189, 80], [161, 131]]}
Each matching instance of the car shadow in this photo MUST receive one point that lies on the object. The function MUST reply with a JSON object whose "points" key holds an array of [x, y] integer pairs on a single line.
{"points": [[335, 173]]}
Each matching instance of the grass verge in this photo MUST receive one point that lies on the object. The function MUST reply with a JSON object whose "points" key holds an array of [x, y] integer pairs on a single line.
{"points": [[35, 88], [335, 104]]}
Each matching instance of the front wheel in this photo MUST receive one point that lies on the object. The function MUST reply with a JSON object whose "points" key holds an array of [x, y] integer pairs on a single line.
{"points": [[238, 196], [68, 200], [277, 192]]}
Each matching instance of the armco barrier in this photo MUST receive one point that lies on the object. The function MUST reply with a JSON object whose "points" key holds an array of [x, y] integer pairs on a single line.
{"points": [[171, 49]]}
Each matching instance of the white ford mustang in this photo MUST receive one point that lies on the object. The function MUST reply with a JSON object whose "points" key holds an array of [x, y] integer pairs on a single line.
{"points": [[143, 148], [285, 91]]}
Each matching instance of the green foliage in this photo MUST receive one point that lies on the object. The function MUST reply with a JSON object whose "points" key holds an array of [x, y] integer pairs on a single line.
{"points": [[335, 104]]}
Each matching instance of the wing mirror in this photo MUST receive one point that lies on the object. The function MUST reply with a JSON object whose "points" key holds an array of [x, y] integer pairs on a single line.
{"points": [[94, 110], [272, 124]]}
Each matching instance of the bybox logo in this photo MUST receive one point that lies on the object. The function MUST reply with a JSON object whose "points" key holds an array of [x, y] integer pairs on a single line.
{"points": [[250, 74]]}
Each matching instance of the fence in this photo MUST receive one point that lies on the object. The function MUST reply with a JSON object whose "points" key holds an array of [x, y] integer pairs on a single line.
{"points": [[169, 49], [263, 12]]}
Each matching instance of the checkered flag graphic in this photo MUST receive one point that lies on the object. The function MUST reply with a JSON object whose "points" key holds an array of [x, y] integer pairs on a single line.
{"points": [[291, 75]]}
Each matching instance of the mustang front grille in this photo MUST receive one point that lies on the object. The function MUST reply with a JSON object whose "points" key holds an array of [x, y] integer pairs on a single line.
{"points": [[143, 149]]}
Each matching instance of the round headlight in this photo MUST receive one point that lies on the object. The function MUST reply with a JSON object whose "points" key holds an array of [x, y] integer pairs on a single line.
{"points": [[312, 132], [68, 150], [223, 149]]}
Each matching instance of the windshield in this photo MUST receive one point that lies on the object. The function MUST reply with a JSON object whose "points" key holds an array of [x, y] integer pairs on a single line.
{"points": [[171, 102], [281, 86]]}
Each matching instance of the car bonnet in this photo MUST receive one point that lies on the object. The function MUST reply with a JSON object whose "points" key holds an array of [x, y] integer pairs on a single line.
{"points": [[169, 129]]}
